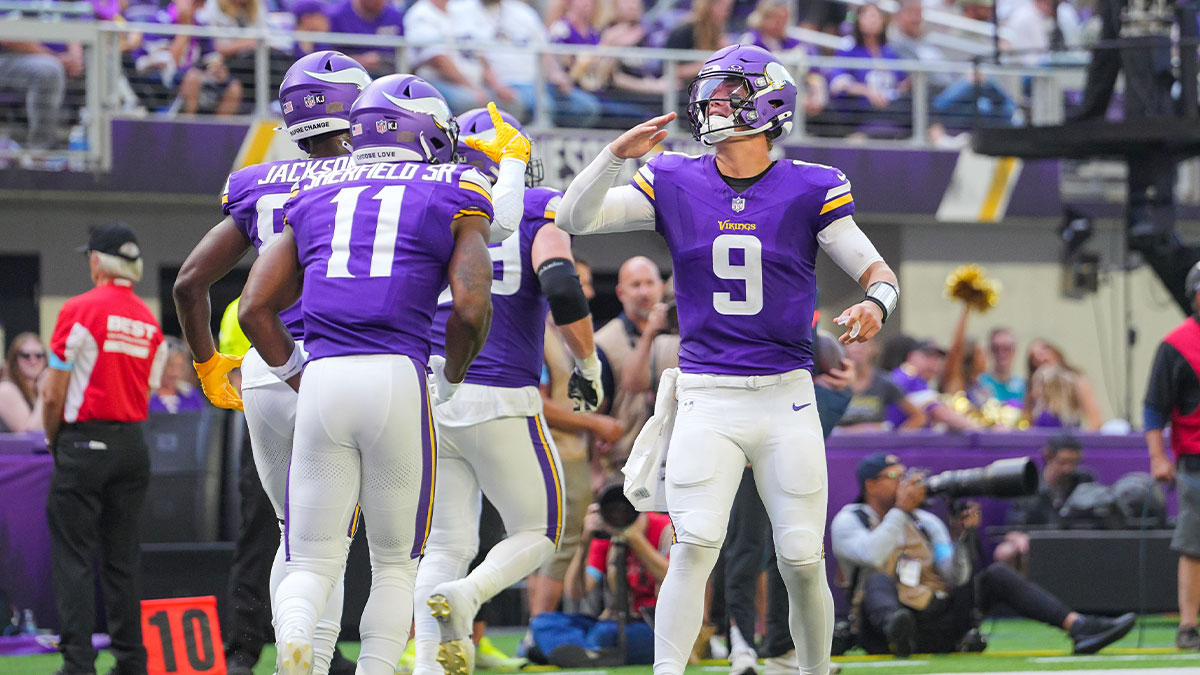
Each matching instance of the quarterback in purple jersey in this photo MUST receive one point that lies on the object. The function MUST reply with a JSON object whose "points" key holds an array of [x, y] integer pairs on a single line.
{"points": [[492, 435], [368, 250], [744, 232], [316, 95]]}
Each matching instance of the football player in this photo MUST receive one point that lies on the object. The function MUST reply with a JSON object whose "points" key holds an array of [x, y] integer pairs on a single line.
{"points": [[316, 95], [371, 246], [743, 231], [493, 436]]}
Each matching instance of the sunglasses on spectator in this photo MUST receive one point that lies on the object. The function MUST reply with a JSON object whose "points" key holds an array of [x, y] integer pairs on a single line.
{"points": [[32, 356], [894, 473], [1003, 348]]}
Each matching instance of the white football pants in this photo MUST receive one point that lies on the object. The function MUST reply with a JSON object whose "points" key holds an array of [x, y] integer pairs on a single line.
{"points": [[270, 409], [514, 462], [722, 423], [364, 434]]}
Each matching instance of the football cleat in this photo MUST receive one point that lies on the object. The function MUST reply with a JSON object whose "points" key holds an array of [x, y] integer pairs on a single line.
{"points": [[455, 607], [295, 657]]}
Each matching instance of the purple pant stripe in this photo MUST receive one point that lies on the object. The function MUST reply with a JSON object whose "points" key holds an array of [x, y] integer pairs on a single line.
{"points": [[287, 511], [428, 465], [550, 479]]}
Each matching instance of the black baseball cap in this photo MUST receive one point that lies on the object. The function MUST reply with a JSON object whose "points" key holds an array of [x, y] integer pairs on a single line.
{"points": [[114, 239], [872, 465]]}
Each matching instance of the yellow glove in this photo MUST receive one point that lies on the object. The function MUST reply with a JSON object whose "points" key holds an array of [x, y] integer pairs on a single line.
{"points": [[214, 380], [507, 142]]}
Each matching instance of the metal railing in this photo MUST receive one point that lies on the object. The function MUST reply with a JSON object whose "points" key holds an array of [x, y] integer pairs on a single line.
{"points": [[1037, 91]]}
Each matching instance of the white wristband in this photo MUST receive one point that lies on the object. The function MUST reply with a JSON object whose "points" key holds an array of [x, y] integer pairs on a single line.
{"points": [[295, 364]]}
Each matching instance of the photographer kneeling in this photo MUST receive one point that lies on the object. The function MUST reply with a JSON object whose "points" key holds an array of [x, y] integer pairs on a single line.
{"points": [[914, 589]]}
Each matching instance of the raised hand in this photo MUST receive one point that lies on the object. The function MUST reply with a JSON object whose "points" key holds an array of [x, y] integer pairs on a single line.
{"points": [[642, 138], [507, 141]]}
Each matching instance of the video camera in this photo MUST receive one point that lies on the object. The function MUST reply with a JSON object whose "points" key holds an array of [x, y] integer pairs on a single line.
{"points": [[1016, 477], [616, 511]]}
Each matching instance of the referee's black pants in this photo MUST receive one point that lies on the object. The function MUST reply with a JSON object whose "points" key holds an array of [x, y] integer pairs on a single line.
{"points": [[101, 472], [250, 574]]}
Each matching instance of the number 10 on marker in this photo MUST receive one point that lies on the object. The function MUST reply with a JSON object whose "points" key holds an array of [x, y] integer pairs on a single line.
{"points": [[182, 637]]}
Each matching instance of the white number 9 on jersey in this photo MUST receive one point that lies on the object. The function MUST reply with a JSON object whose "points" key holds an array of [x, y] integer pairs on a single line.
{"points": [[750, 272]]}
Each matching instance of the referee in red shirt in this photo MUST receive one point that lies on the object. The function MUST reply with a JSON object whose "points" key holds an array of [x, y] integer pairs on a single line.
{"points": [[106, 354]]}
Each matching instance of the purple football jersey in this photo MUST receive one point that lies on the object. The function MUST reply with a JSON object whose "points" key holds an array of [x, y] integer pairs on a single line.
{"points": [[914, 388], [375, 242], [254, 198], [745, 283], [512, 356]]}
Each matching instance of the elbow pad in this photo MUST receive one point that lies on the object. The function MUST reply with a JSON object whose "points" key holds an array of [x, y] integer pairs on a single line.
{"points": [[560, 285]]}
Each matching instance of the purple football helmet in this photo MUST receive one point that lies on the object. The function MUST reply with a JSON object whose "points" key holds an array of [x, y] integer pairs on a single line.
{"points": [[755, 92], [317, 93], [478, 122], [402, 118]]}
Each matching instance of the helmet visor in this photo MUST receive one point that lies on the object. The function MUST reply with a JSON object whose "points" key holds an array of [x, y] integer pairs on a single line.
{"points": [[721, 86]]}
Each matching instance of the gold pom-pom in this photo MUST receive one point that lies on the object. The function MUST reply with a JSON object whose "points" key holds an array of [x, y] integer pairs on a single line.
{"points": [[968, 284]]}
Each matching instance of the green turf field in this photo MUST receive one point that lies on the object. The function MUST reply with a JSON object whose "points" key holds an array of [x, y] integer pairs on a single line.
{"points": [[1014, 646]]}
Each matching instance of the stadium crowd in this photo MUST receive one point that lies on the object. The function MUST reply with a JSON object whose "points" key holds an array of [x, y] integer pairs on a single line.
{"points": [[179, 74]]}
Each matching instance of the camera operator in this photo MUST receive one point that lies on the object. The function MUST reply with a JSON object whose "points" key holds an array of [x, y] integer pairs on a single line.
{"points": [[913, 588], [612, 527], [1060, 476]]}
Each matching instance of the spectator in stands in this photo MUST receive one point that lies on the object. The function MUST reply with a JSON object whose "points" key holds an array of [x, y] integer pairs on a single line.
{"points": [[311, 16], [924, 365], [238, 53], [966, 361], [917, 589], [625, 342], [768, 25], [465, 78], [1060, 476], [578, 26], [630, 89], [174, 72], [1035, 27], [40, 73], [174, 393], [1078, 401], [368, 17], [873, 393], [514, 22], [20, 387], [953, 95], [705, 30], [1053, 400], [1006, 386], [871, 101]]}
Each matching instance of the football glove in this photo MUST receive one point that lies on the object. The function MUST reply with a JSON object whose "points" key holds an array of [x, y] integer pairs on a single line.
{"points": [[443, 389], [214, 380], [507, 141], [585, 387]]}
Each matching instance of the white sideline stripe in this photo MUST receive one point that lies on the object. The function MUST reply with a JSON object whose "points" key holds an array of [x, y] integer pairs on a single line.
{"points": [[1090, 671], [1118, 657], [897, 663]]}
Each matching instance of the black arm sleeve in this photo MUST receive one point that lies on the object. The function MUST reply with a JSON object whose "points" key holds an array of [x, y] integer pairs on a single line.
{"points": [[560, 285]]}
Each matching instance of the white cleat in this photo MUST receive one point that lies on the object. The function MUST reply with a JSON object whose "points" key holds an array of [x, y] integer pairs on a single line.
{"points": [[455, 608], [295, 657], [743, 662]]}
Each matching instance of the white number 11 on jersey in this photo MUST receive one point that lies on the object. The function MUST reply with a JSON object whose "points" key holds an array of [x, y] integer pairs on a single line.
{"points": [[750, 272]]}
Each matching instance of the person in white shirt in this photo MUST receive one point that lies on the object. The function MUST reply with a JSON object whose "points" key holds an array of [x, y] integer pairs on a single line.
{"points": [[464, 77], [514, 22]]}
